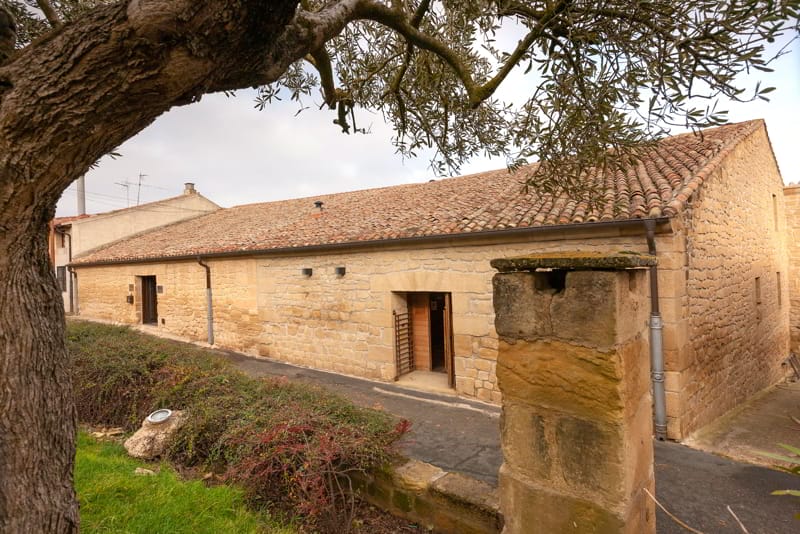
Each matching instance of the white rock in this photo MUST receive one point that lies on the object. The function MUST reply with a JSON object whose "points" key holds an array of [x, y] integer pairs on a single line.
{"points": [[150, 441], [142, 472]]}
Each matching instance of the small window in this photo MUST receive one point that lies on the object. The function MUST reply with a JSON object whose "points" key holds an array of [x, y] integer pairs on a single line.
{"points": [[758, 290], [778, 284], [775, 210], [61, 276], [63, 239]]}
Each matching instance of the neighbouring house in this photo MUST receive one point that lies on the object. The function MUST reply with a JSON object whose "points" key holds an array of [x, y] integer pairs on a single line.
{"points": [[71, 237], [395, 282]]}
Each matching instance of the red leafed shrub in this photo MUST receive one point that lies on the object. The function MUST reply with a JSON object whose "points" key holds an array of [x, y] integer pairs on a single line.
{"points": [[292, 446]]}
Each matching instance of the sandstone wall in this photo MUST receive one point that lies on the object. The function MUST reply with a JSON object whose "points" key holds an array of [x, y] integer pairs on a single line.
{"points": [[266, 306], [102, 293], [791, 195], [732, 335], [344, 324]]}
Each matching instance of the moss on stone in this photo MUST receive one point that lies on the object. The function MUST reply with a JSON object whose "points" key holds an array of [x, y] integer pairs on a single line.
{"points": [[575, 260]]}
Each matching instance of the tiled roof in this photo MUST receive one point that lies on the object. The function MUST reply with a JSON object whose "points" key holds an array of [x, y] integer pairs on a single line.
{"points": [[59, 221], [658, 186]]}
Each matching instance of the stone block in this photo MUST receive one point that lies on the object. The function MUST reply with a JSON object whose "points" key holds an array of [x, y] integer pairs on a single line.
{"points": [[487, 354], [417, 476], [585, 312], [671, 282], [676, 380], [568, 378], [467, 492], [465, 385], [537, 510], [673, 309], [462, 344], [484, 394], [679, 360], [526, 446], [676, 404], [483, 365], [590, 458], [521, 310], [474, 325], [676, 335]]}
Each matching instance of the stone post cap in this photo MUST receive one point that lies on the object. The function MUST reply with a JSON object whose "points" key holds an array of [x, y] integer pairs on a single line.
{"points": [[576, 261]]}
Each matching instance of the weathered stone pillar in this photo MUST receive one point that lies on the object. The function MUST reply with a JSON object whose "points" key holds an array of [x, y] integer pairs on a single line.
{"points": [[573, 368]]}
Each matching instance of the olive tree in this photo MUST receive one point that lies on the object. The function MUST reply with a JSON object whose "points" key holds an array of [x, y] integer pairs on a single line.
{"points": [[79, 77]]}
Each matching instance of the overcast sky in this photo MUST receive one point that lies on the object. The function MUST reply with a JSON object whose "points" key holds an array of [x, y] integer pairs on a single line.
{"points": [[237, 155]]}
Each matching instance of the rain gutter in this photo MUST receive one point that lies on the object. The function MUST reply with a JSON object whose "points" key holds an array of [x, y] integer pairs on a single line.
{"points": [[633, 224], [209, 306], [656, 342]]}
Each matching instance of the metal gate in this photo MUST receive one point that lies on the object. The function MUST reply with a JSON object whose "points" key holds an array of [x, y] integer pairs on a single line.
{"points": [[403, 347]]}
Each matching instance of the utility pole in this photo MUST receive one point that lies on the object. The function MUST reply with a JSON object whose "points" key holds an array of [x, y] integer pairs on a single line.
{"points": [[139, 191], [127, 187]]}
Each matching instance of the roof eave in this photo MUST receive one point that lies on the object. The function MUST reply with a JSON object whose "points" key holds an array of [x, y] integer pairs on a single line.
{"points": [[506, 232]]}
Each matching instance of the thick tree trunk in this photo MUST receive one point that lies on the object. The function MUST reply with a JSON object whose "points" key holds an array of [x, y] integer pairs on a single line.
{"points": [[65, 101], [37, 418]]}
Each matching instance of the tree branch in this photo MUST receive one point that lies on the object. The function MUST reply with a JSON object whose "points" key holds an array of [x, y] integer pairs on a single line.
{"points": [[321, 61], [477, 93], [416, 20], [49, 13]]}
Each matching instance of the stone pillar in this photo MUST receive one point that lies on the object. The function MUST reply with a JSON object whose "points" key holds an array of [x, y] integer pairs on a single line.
{"points": [[573, 368]]}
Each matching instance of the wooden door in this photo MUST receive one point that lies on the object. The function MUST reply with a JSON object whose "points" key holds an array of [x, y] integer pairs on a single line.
{"points": [[419, 307], [449, 353], [149, 300]]}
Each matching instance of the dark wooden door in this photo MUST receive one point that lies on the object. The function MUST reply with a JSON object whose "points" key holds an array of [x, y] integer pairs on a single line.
{"points": [[149, 300]]}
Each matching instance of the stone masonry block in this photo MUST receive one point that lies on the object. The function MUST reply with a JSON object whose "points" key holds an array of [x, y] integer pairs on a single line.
{"points": [[676, 335], [585, 311], [676, 380], [521, 310], [671, 282], [590, 457], [568, 378], [462, 344], [541, 511], [475, 325], [526, 446], [679, 360]]}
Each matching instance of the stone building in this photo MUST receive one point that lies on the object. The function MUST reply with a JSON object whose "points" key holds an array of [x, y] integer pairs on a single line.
{"points": [[395, 283], [791, 195], [71, 237]]}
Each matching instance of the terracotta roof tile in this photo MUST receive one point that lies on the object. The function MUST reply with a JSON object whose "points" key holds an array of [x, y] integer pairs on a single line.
{"points": [[659, 185]]}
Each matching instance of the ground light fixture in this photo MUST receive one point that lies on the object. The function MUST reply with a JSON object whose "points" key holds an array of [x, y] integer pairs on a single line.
{"points": [[159, 416]]}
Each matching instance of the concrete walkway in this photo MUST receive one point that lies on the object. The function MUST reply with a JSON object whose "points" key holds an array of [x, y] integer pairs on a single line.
{"points": [[758, 425], [463, 436]]}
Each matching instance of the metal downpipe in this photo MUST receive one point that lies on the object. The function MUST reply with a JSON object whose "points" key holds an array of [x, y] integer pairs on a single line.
{"points": [[656, 342], [209, 306]]}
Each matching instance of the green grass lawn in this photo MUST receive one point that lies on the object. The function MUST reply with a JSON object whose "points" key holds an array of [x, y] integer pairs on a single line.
{"points": [[113, 499]]}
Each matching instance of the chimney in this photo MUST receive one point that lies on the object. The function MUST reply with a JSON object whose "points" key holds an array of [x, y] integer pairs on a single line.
{"points": [[188, 189], [81, 196]]}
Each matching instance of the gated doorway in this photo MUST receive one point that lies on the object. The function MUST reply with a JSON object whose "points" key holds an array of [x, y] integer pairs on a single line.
{"points": [[424, 335], [149, 300]]}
